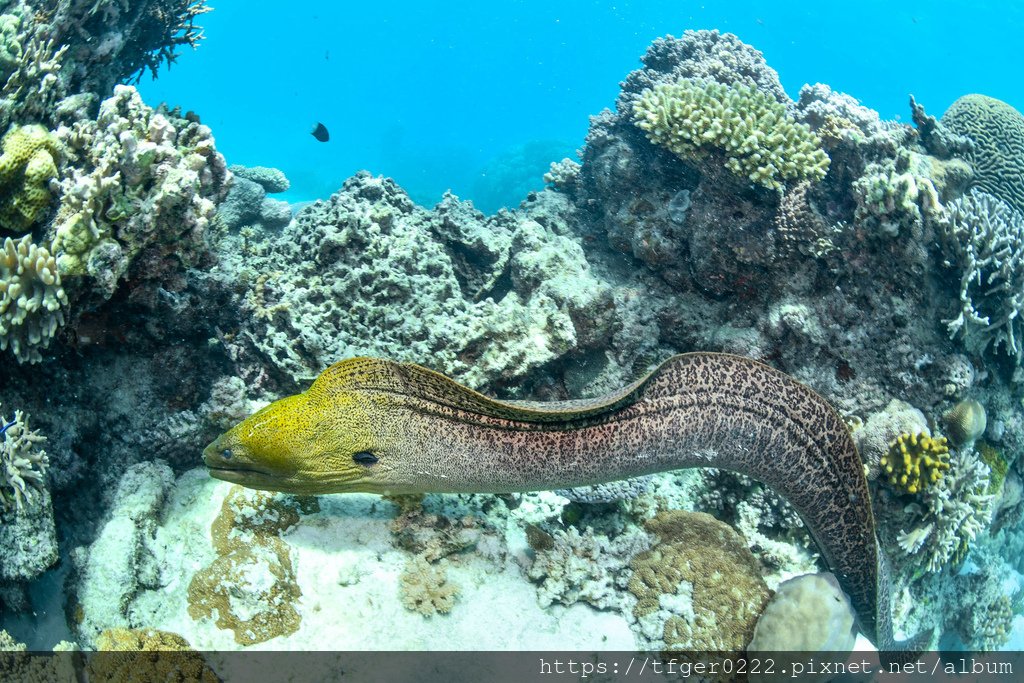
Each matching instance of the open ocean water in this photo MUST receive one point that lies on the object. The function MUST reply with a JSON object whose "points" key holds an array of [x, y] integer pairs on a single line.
{"points": [[478, 97]]}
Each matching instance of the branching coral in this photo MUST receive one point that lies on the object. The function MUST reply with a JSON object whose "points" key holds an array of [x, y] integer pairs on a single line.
{"points": [[31, 299], [23, 462], [425, 588], [138, 181], [915, 461], [951, 514], [984, 239], [760, 140]]}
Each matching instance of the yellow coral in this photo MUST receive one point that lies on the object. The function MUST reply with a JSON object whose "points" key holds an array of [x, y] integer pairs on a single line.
{"points": [[121, 659], [915, 461], [27, 166], [760, 140]]}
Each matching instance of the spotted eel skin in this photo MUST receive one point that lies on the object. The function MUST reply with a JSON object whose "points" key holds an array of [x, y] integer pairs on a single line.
{"points": [[695, 410]]}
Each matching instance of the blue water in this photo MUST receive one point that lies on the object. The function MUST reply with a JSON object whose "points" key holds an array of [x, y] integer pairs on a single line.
{"points": [[480, 96]]}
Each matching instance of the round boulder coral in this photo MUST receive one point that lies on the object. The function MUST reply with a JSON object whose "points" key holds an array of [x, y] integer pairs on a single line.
{"points": [[997, 130]]}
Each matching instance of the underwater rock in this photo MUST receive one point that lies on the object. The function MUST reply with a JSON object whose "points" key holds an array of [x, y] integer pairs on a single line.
{"points": [[272, 180]]}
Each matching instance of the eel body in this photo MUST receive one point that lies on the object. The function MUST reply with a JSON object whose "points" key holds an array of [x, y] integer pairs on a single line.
{"points": [[385, 427]]}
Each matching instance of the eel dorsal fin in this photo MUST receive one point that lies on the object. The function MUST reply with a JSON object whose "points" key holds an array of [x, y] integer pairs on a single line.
{"points": [[416, 381]]}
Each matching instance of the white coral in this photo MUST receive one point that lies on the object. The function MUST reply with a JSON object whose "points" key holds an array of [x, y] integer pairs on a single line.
{"points": [[954, 512], [31, 298], [23, 463]]}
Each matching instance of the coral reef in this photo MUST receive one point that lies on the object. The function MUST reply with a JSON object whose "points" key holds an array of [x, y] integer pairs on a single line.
{"points": [[950, 515], [27, 167], [250, 587], [141, 187], [368, 274], [984, 238], [32, 299], [759, 139], [915, 461], [997, 155], [699, 588], [425, 588]]}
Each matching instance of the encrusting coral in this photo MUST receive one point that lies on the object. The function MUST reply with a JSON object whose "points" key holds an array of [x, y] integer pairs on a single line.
{"points": [[23, 462], [31, 298], [250, 587], [760, 140], [915, 461]]}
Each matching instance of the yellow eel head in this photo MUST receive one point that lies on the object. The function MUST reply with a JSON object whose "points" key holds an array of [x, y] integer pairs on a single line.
{"points": [[299, 445]]}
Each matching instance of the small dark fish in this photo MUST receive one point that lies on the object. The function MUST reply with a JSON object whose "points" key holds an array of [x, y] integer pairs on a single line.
{"points": [[320, 133]]}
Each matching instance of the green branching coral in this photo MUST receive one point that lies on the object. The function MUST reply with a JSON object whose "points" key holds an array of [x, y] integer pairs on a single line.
{"points": [[997, 131], [23, 463], [31, 299], [915, 461], [27, 167], [760, 140]]}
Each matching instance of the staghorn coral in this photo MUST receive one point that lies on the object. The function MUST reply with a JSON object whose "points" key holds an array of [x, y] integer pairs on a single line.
{"points": [[425, 588], [758, 137], [23, 460], [950, 514], [699, 588], [250, 587], [997, 156], [31, 299], [983, 238], [27, 167], [915, 461], [138, 183]]}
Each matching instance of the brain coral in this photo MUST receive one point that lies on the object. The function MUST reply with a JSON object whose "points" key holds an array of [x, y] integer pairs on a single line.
{"points": [[26, 168], [31, 298], [760, 140], [997, 130]]}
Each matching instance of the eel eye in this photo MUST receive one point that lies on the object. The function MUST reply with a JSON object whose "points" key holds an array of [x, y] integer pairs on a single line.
{"points": [[226, 454], [365, 458]]}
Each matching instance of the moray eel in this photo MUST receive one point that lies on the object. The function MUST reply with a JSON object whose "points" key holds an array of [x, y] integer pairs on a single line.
{"points": [[384, 427]]}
